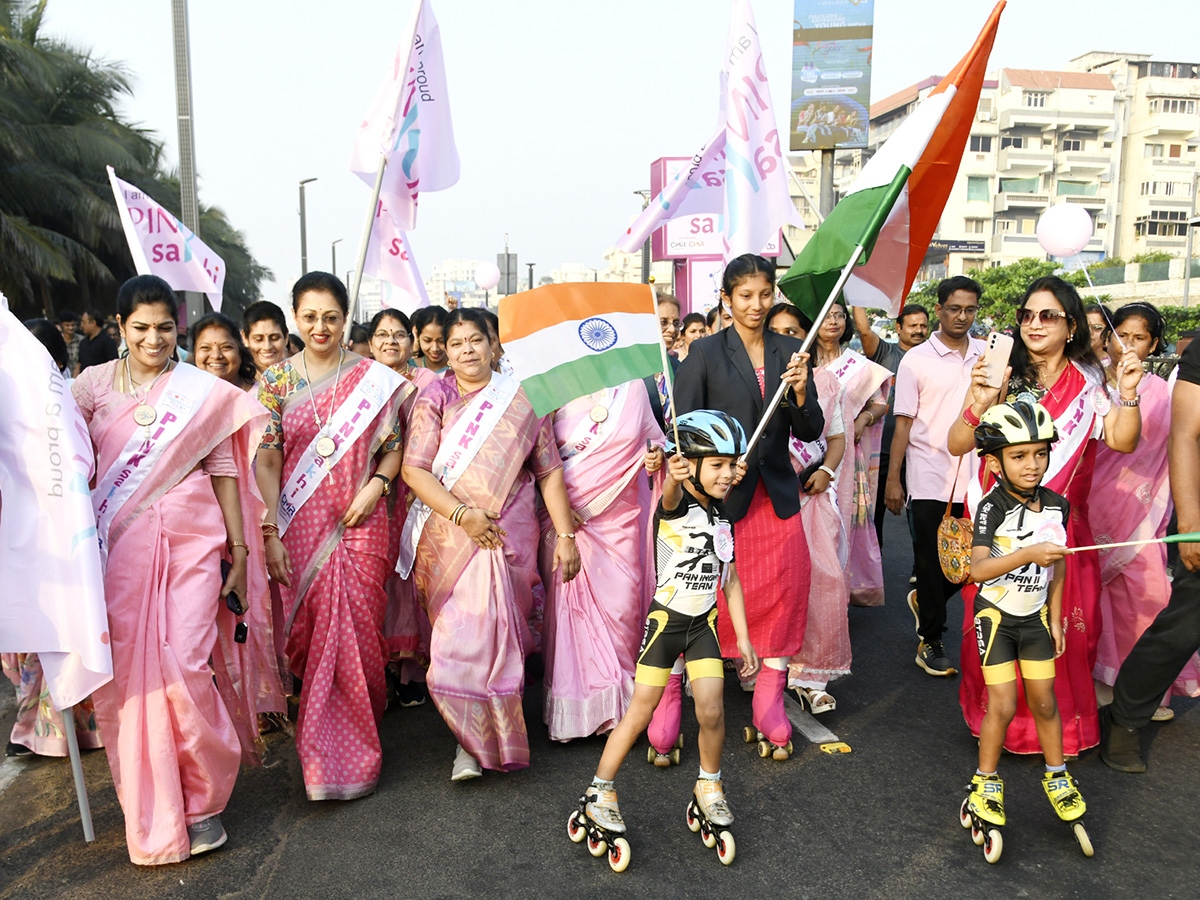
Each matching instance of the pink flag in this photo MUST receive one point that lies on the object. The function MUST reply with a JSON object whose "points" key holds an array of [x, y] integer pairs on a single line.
{"points": [[53, 586], [409, 123], [390, 259], [162, 245], [685, 195], [757, 202]]}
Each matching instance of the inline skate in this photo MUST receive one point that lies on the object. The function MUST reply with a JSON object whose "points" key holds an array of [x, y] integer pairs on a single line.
{"points": [[599, 820], [707, 812], [982, 811], [1063, 792]]}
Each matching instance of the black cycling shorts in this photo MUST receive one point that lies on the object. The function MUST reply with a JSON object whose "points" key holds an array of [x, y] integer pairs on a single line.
{"points": [[1004, 639], [668, 634]]}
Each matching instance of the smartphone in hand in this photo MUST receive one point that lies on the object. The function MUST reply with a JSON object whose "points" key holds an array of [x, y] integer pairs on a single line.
{"points": [[995, 357]]}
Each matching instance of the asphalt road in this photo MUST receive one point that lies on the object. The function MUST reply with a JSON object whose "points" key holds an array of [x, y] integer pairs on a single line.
{"points": [[879, 822]]}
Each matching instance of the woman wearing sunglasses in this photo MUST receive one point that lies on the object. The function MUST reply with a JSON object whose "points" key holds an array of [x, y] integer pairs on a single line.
{"points": [[1053, 361]]}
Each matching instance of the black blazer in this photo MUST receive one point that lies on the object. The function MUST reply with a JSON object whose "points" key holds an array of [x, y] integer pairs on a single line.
{"points": [[717, 374]]}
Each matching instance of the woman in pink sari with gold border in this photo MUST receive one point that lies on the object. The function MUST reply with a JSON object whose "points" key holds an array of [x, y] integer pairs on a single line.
{"points": [[475, 450], [332, 450], [591, 631], [1053, 362], [173, 446]]}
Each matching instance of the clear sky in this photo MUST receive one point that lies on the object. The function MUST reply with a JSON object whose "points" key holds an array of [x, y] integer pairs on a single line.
{"points": [[559, 105]]}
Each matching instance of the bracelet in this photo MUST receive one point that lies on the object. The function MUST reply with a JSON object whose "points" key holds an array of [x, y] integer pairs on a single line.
{"points": [[241, 544], [827, 470], [387, 482], [969, 416], [1136, 401], [459, 512], [269, 528], [567, 534]]}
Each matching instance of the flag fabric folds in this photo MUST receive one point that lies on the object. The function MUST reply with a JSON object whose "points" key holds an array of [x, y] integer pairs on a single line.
{"points": [[390, 259], [568, 340], [162, 245], [757, 200], [409, 123], [893, 207], [49, 554]]}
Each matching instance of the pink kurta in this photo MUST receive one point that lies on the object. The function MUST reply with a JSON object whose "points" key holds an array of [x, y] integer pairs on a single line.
{"points": [[1130, 501], [336, 597], [171, 742], [593, 624], [479, 601]]}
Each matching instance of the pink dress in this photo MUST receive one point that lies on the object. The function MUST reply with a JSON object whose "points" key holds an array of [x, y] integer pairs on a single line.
{"points": [[480, 601], [172, 744], [593, 624]]}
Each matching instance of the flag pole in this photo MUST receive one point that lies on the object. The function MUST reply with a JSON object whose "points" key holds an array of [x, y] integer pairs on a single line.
{"points": [[847, 271], [666, 368], [1192, 537], [365, 242], [85, 810]]}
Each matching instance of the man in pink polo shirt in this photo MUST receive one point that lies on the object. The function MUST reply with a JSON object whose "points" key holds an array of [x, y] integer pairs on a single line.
{"points": [[930, 386]]}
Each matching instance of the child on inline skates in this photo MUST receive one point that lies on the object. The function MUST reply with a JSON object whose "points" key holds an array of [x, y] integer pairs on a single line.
{"points": [[1016, 559], [693, 553]]}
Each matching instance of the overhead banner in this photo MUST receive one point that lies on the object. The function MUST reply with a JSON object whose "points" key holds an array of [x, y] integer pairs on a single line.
{"points": [[831, 74]]}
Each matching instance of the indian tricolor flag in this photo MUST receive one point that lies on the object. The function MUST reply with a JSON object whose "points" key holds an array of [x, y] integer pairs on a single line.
{"points": [[567, 340], [893, 207]]}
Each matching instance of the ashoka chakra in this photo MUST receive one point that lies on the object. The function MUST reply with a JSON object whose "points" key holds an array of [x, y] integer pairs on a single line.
{"points": [[597, 334]]}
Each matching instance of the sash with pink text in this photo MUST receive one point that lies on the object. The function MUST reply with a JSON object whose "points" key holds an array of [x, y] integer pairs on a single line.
{"points": [[350, 421], [184, 392], [454, 456], [588, 435]]}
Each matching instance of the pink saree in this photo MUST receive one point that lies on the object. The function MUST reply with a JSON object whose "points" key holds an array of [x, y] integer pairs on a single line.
{"points": [[336, 600], [863, 382], [1130, 501], [825, 654], [172, 744], [593, 624], [39, 726], [480, 601]]}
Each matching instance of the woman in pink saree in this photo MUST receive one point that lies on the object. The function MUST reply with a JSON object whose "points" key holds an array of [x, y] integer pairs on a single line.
{"points": [[475, 450], [331, 451], [1053, 362], [405, 625], [864, 387], [1131, 501], [173, 446], [591, 631]]}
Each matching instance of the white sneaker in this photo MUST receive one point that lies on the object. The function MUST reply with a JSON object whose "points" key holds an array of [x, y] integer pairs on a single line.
{"points": [[466, 766]]}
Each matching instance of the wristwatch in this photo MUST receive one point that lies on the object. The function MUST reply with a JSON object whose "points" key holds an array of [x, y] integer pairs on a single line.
{"points": [[387, 482]]}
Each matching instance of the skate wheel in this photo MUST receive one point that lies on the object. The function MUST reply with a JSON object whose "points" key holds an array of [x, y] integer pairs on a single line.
{"points": [[673, 756], [749, 734], [693, 821], [976, 835], [993, 845], [618, 855], [764, 749], [964, 816], [596, 847], [575, 831], [710, 839], [726, 848], [679, 741], [1085, 842], [651, 754]]}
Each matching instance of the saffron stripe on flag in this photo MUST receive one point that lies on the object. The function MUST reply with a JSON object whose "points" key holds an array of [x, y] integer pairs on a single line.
{"points": [[562, 384], [562, 302], [562, 342]]}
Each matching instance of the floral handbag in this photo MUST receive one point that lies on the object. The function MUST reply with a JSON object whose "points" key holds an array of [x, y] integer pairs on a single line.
{"points": [[954, 540]]}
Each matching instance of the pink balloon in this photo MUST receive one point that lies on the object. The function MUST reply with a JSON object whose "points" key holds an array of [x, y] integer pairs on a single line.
{"points": [[487, 276], [1064, 230]]}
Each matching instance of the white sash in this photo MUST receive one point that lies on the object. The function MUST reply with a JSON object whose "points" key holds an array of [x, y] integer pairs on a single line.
{"points": [[846, 366], [587, 435], [454, 456], [184, 392], [808, 452], [348, 423]]}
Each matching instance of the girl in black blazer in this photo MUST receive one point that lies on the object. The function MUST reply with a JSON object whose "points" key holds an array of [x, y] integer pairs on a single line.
{"points": [[737, 370]]}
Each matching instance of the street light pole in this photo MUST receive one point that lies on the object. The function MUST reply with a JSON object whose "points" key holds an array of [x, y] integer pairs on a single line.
{"points": [[303, 229], [333, 252], [645, 195], [190, 208], [531, 265]]}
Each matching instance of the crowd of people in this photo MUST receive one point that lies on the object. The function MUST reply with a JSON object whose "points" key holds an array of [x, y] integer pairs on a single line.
{"points": [[378, 515]]}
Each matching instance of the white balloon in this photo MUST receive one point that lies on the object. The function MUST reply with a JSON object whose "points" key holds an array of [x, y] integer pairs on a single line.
{"points": [[1064, 230], [487, 276]]}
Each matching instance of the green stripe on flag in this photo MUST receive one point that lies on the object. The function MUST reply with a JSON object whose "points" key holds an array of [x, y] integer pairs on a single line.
{"points": [[856, 220], [562, 384]]}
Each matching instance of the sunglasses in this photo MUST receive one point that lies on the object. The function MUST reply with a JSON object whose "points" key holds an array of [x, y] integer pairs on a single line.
{"points": [[1045, 316]]}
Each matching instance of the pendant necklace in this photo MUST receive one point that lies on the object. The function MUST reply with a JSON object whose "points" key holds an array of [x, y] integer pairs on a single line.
{"points": [[326, 446], [599, 412], [144, 414]]}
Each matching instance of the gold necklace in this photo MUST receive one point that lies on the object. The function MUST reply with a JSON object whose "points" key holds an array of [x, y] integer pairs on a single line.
{"points": [[144, 414]]}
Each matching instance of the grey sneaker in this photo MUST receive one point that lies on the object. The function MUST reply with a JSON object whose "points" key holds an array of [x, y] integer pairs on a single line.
{"points": [[465, 766], [206, 835], [932, 658]]}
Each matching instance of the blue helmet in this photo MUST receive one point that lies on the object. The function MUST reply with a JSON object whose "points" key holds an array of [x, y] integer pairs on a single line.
{"points": [[708, 432]]}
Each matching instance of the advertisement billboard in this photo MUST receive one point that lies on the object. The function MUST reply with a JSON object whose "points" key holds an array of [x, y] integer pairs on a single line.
{"points": [[831, 74]]}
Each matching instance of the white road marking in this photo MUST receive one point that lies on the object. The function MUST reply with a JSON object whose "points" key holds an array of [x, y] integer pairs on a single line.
{"points": [[10, 768], [806, 723]]}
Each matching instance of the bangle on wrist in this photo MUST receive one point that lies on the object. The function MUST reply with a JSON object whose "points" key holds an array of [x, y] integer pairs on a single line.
{"points": [[241, 544], [969, 416], [570, 535], [459, 512], [1136, 401], [826, 469]]}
